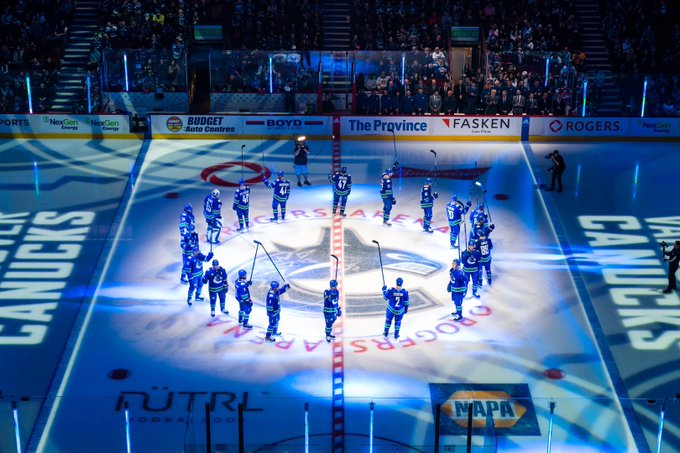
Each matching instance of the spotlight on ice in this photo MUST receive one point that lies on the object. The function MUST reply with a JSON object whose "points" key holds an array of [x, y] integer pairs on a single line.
{"points": [[301, 138]]}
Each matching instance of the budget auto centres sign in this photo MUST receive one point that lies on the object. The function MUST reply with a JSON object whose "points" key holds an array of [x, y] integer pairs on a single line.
{"points": [[584, 127]]}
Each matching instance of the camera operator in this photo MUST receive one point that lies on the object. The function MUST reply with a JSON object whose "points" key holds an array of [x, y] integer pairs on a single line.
{"points": [[673, 258], [557, 170], [300, 160]]}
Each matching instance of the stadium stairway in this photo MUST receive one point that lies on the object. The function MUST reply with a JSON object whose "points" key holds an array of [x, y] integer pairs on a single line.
{"points": [[597, 57], [336, 26], [76, 56]]}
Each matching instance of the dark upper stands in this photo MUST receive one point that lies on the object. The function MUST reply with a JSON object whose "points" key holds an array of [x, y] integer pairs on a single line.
{"points": [[33, 36]]}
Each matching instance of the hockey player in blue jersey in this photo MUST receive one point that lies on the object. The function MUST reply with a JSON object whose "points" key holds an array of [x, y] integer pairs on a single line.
{"points": [[274, 309], [216, 278], [471, 259], [188, 244], [455, 210], [195, 273], [457, 287], [474, 216], [187, 221], [427, 197], [479, 229], [245, 303], [281, 188], [342, 186], [242, 204], [484, 246], [331, 309], [397, 307], [387, 195], [212, 211]]}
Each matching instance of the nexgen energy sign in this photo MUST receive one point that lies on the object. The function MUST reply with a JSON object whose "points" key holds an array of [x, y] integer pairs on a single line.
{"points": [[499, 405]]}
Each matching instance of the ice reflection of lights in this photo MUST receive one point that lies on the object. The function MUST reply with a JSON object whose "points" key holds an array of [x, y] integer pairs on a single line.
{"points": [[635, 179], [17, 434], [127, 428], [36, 179]]}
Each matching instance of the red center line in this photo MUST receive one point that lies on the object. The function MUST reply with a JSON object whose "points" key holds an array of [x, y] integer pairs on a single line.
{"points": [[338, 366]]}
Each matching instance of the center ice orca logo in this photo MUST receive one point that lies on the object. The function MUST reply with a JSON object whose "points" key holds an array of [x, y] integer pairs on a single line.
{"points": [[309, 270]]}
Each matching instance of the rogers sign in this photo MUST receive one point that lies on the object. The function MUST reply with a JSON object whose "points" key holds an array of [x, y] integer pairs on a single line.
{"points": [[582, 126]]}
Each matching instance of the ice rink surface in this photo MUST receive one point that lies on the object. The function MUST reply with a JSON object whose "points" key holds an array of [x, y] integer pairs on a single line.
{"points": [[564, 321]]}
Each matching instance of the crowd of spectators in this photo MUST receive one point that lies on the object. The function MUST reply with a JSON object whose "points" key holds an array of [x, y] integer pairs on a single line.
{"points": [[471, 94], [643, 39], [274, 25], [153, 36], [248, 72], [519, 37], [33, 36]]}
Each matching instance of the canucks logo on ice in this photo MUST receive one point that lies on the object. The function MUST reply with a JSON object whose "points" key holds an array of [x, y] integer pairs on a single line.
{"points": [[309, 270]]}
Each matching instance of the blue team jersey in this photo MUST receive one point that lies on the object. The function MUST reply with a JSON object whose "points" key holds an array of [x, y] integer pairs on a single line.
{"points": [[477, 213], [470, 260], [217, 280], [194, 265], [187, 223], [242, 290], [455, 212], [386, 187], [397, 300], [330, 300], [273, 297], [342, 184], [281, 189], [242, 198], [212, 207], [457, 281], [427, 197], [484, 246]]}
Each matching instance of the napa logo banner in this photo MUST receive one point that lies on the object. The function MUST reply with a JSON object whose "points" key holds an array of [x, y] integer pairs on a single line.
{"points": [[508, 406]]}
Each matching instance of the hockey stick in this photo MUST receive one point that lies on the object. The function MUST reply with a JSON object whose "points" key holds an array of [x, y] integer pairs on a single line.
{"points": [[252, 269], [488, 209], [396, 161], [381, 264], [270, 259], [394, 143], [435, 168], [337, 263], [242, 146]]}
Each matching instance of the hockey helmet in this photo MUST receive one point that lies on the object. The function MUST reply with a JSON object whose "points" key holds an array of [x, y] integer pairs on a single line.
{"points": [[428, 181], [242, 273], [334, 283], [343, 169], [188, 207], [216, 263], [454, 197], [387, 172], [241, 182], [480, 206], [215, 193], [274, 285], [400, 281], [280, 173], [455, 261], [472, 243]]}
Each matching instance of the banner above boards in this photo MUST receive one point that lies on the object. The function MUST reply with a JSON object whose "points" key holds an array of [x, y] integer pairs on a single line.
{"points": [[52, 125]]}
